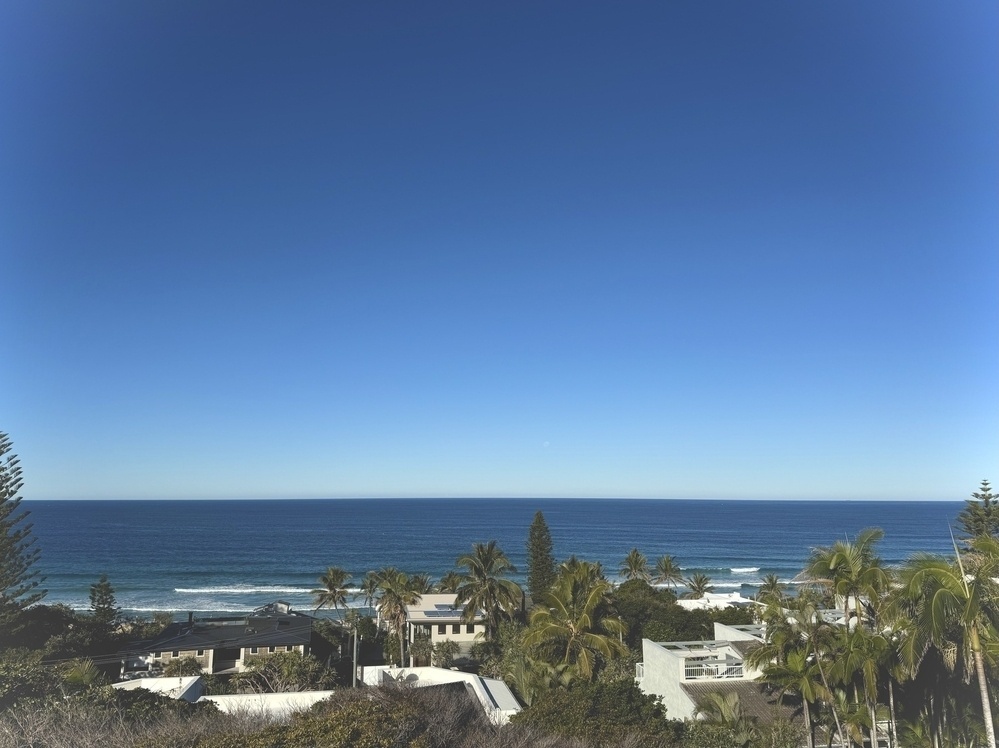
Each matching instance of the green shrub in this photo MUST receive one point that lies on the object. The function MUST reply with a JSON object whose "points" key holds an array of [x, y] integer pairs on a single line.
{"points": [[22, 675], [603, 713]]}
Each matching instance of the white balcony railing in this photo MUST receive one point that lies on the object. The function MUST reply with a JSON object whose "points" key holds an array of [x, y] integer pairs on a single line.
{"points": [[712, 669]]}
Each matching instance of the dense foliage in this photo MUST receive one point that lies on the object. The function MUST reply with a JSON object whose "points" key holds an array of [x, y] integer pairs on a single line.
{"points": [[540, 558], [19, 579], [604, 713], [980, 515]]}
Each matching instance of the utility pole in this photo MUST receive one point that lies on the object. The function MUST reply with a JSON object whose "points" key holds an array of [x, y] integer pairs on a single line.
{"points": [[353, 679]]}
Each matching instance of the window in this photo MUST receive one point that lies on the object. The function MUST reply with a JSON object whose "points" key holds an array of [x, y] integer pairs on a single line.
{"points": [[157, 655], [201, 653], [253, 650], [175, 653], [470, 628], [455, 628], [271, 650], [441, 628], [289, 648]]}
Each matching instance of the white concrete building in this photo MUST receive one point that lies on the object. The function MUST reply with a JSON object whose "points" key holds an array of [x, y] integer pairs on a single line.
{"points": [[278, 706], [682, 672], [495, 696], [437, 617], [188, 688], [715, 600]]}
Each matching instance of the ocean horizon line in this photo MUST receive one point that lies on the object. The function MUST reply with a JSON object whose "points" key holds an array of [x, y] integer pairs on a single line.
{"points": [[490, 498]]}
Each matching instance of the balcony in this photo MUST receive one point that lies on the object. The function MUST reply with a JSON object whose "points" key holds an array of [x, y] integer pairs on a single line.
{"points": [[712, 669]]}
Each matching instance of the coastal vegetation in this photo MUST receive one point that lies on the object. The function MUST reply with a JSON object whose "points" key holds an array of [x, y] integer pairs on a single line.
{"points": [[484, 586], [866, 654], [19, 581], [540, 557]]}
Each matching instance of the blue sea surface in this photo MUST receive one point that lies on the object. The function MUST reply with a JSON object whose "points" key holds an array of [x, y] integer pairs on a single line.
{"points": [[235, 555]]}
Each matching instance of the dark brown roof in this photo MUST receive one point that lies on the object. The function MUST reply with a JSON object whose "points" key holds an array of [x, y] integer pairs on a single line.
{"points": [[744, 647], [263, 628], [753, 698]]}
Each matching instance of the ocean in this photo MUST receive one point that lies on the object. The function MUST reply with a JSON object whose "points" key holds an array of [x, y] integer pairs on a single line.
{"points": [[235, 555]]}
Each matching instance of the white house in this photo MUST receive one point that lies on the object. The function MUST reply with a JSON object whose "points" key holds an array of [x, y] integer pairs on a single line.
{"points": [[682, 673], [437, 617], [495, 696], [715, 600]]}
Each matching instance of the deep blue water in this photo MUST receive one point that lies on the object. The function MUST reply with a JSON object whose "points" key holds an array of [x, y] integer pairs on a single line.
{"points": [[237, 555]]}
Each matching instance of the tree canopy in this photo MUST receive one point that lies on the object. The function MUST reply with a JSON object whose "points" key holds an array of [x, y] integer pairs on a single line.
{"points": [[540, 558], [19, 581], [980, 515], [485, 588]]}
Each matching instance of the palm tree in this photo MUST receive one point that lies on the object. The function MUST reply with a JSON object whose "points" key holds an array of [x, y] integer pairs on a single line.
{"points": [[636, 566], [332, 592], [573, 565], [817, 637], [799, 673], [82, 674], [484, 588], [450, 582], [574, 623], [940, 595], [797, 644], [771, 591], [726, 710], [369, 587], [396, 590], [697, 587], [668, 572], [859, 655], [851, 570], [421, 584]]}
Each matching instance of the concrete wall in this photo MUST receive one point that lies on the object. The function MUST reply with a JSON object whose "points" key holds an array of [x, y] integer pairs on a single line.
{"points": [[496, 699], [663, 675], [276, 705]]}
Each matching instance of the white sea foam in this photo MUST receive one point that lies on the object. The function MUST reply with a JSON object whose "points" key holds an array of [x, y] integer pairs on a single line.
{"points": [[210, 608], [240, 589], [744, 569]]}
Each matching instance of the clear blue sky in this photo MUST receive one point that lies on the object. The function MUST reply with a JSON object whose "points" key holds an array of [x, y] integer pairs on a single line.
{"points": [[666, 249]]}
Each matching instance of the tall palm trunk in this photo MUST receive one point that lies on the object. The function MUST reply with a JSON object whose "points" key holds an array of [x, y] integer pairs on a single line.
{"points": [[402, 641], [809, 729], [874, 723], [832, 707], [934, 720], [983, 687], [891, 712]]}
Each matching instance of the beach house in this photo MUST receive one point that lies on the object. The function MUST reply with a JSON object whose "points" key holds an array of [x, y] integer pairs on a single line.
{"points": [[440, 619], [227, 645], [683, 673]]}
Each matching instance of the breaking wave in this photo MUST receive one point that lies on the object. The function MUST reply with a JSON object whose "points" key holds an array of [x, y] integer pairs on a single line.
{"points": [[240, 589]]}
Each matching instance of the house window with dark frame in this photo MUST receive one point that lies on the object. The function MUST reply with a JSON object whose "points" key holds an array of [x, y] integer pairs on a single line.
{"points": [[157, 655], [441, 628], [455, 628], [469, 628], [289, 648], [271, 650], [254, 650], [201, 653], [175, 653]]}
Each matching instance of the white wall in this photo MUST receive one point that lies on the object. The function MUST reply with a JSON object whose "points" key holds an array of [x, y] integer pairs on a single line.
{"points": [[663, 675]]}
